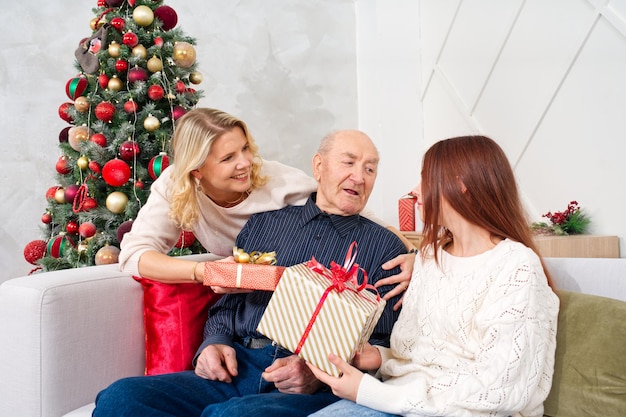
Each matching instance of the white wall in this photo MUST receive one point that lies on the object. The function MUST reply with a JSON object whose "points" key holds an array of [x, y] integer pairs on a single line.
{"points": [[546, 80]]}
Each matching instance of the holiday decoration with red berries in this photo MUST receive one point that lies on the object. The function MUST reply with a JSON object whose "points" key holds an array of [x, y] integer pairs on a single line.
{"points": [[133, 78]]}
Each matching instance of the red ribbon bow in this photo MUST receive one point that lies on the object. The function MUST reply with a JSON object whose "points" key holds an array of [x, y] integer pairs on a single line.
{"points": [[339, 276]]}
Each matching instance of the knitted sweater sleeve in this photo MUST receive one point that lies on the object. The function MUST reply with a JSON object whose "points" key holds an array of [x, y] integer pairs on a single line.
{"points": [[499, 365]]}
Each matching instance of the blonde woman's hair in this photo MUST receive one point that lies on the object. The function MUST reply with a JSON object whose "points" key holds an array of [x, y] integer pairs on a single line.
{"points": [[194, 134]]}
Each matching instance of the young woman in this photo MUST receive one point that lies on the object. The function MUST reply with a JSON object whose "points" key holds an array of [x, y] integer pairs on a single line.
{"points": [[477, 332]]}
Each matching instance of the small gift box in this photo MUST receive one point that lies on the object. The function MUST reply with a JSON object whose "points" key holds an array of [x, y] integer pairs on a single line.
{"points": [[254, 271], [315, 311], [407, 212]]}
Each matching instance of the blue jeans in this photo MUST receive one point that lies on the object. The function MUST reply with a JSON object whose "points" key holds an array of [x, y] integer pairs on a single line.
{"points": [[185, 394], [345, 408]]}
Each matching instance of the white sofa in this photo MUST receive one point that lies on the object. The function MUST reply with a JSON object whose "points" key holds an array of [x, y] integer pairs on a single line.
{"points": [[68, 334]]}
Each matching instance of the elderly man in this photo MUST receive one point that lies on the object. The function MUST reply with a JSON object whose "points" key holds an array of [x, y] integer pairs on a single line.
{"points": [[238, 371]]}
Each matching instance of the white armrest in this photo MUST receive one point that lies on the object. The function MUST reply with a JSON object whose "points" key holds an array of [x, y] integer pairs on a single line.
{"points": [[65, 336]]}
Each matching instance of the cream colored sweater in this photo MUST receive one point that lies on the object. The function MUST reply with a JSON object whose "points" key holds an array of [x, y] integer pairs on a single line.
{"points": [[476, 338], [217, 227]]}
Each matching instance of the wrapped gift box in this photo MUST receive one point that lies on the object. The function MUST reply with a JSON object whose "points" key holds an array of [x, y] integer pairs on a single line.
{"points": [[239, 275], [344, 323], [407, 212]]}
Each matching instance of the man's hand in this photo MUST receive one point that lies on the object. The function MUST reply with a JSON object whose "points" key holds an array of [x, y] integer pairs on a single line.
{"points": [[217, 363], [290, 375], [406, 263], [346, 386]]}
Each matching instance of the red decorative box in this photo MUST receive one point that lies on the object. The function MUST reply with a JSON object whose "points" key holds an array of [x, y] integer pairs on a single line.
{"points": [[238, 275], [407, 212]]}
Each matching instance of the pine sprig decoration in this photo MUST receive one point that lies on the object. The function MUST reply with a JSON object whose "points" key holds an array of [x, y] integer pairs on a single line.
{"points": [[572, 221]]}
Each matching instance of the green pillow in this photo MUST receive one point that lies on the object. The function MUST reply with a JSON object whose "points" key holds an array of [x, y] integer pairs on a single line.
{"points": [[590, 366]]}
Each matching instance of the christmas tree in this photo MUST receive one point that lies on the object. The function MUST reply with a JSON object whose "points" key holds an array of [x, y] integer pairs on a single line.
{"points": [[132, 83]]}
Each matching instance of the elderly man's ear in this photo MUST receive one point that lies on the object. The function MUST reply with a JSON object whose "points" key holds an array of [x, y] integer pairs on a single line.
{"points": [[317, 166]]}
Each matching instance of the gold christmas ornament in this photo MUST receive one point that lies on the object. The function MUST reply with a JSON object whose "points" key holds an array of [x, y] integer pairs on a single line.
{"points": [[114, 49], [76, 135], [143, 15], [154, 64], [184, 54], [151, 123], [116, 202], [81, 104], [139, 51], [82, 162], [107, 255], [59, 195], [97, 23], [195, 77], [115, 84]]}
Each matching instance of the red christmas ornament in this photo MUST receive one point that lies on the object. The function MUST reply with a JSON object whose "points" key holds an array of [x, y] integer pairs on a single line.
{"points": [[139, 184], [178, 112], [94, 166], [72, 227], [102, 3], [89, 204], [118, 23], [158, 41], [63, 134], [185, 239], [137, 74], [99, 139], [132, 3], [34, 251], [114, 3], [105, 111], [167, 16], [75, 87], [123, 229], [70, 193], [131, 106], [121, 65], [46, 218], [103, 81], [116, 172], [63, 112], [62, 165], [129, 150], [158, 164], [50, 193], [130, 39], [155, 92], [58, 245], [87, 229], [180, 87]]}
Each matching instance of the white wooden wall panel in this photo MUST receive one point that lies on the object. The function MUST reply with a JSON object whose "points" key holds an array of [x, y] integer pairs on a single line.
{"points": [[546, 80]]}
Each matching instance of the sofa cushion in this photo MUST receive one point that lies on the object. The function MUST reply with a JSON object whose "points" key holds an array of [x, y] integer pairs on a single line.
{"points": [[590, 364], [174, 316]]}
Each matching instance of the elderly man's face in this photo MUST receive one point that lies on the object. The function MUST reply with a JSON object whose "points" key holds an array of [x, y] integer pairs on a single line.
{"points": [[346, 174]]}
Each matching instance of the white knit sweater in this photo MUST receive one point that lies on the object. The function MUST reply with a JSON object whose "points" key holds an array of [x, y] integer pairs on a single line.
{"points": [[217, 226], [475, 337]]}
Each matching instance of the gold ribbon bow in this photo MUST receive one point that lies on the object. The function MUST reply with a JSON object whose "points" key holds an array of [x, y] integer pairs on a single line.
{"points": [[261, 258]]}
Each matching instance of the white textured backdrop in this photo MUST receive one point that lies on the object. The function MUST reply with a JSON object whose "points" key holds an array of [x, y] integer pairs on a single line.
{"points": [[287, 68]]}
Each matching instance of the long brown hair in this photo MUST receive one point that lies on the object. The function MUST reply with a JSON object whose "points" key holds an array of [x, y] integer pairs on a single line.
{"points": [[491, 199]]}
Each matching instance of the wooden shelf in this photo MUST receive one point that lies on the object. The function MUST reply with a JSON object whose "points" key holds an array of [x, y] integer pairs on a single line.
{"points": [[576, 246]]}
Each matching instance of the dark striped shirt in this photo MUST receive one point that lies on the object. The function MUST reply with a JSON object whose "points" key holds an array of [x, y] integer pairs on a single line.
{"points": [[297, 233]]}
